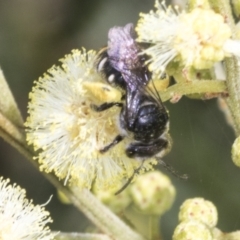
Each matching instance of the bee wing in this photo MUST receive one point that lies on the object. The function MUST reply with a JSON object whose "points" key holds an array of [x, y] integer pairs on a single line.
{"points": [[139, 81], [123, 52]]}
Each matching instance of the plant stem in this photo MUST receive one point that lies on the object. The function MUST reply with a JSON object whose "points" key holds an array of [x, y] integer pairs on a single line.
{"points": [[144, 223], [8, 106], [233, 83], [202, 86], [231, 64], [154, 227], [106, 220], [81, 236], [223, 7]]}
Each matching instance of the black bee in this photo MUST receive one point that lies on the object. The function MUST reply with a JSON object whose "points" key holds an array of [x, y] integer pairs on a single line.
{"points": [[142, 113]]}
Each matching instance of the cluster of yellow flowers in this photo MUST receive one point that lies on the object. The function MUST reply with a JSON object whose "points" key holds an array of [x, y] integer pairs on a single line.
{"points": [[188, 38], [198, 219], [19, 218]]}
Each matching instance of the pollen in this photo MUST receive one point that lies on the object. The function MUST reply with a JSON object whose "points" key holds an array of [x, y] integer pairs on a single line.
{"points": [[199, 43], [68, 133]]}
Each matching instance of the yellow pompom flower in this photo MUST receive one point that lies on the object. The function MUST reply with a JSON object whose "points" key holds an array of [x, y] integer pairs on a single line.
{"points": [[19, 218], [69, 133], [197, 39]]}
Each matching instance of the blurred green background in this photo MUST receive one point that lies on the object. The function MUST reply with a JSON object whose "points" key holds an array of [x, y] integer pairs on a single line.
{"points": [[35, 34]]}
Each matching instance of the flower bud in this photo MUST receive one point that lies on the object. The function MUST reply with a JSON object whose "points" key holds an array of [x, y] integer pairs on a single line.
{"points": [[199, 209], [116, 203], [153, 193], [236, 152], [192, 230]]}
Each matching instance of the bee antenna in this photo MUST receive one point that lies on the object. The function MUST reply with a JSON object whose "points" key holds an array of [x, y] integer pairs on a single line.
{"points": [[154, 92], [172, 170], [156, 89]]}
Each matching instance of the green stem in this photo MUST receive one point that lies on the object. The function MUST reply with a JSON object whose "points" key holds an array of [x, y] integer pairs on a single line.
{"points": [[82, 236], [223, 7], [101, 215], [147, 225], [154, 223], [8, 106], [10, 129], [233, 84], [232, 67], [194, 87]]}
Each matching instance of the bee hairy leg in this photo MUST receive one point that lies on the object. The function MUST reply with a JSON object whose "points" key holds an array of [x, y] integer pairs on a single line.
{"points": [[105, 106], [146, 150], [117, 139]]}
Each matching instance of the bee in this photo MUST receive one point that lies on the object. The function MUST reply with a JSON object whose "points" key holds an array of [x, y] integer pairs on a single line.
{"points": [[143, 115]]}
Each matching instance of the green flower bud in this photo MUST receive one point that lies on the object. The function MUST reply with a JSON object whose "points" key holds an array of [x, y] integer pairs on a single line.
{"points": [[153, 193], [199, 209], [232, 236], [219, 235], [116, 203], [236, 152], [192, 230]]}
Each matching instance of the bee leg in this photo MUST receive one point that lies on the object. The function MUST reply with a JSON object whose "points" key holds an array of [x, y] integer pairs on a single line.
{"points": [[149, 150], [105, 106], [136, 171], [146, 150], [117, 139]]}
